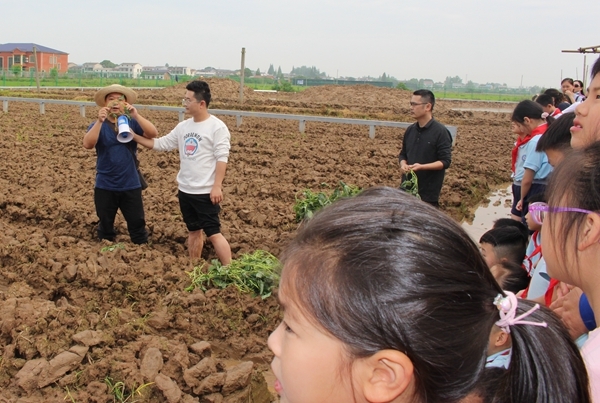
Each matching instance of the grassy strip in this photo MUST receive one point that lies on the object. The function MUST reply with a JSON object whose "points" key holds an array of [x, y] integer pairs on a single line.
{"points": [[482, 96], [255, 273], [310, 202]]}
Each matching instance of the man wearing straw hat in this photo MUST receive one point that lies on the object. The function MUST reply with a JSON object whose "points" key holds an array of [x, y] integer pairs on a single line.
{"points": [[118, 185]]}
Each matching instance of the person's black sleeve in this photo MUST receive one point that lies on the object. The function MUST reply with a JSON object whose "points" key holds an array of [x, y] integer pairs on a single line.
{"points": [[444, 148]]}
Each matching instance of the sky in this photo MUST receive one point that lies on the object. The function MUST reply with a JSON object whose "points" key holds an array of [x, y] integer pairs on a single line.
{"points": [[516, 42]]}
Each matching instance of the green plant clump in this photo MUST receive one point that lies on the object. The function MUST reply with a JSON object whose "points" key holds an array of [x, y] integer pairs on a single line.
{"points": [[122, 394], [112, 248], [255, 273], [310, 202], [411, 184]]}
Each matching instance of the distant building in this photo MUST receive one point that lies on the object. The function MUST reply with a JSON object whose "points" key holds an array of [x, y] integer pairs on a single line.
{"points": [[206, 74], [91, 67], [427, 83], [224, 73], [153, 68], [132, 70], [180, 70], [22, 54], [156, 75]]}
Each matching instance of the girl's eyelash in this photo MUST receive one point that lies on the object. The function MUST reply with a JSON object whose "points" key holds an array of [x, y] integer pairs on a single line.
{"points": [[286, 327]]}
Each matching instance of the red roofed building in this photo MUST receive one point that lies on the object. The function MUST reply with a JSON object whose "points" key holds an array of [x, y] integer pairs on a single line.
{"points": [[22, 54]]}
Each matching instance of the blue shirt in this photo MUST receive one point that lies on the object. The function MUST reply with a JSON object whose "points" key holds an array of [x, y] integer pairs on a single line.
{"points": [[115, 168], [528, 158]]}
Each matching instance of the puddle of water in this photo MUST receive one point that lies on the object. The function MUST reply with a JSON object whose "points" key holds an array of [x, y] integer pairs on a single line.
{"points": [[499, 204]]}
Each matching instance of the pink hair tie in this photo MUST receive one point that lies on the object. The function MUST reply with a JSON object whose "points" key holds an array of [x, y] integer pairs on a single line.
{"points": [[545, 115], [507, 305]]}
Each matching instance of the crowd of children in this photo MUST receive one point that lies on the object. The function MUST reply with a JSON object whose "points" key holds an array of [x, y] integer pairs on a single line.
{"points": [[387, 299]]}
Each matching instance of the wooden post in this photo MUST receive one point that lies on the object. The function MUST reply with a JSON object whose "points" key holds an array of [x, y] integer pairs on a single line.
{"points": [[37, 69], [242, 75]]}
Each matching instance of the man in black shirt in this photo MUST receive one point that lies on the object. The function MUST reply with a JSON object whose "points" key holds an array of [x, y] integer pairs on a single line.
{"points": [[426, 148]]}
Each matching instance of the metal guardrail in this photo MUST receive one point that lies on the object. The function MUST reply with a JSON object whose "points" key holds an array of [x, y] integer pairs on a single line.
{"points": [[28, 87], [302, 119]]}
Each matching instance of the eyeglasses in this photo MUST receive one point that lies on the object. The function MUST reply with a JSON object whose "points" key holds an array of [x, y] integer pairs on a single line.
{"points": [[538, 211], [186, 101], [418, 103]]}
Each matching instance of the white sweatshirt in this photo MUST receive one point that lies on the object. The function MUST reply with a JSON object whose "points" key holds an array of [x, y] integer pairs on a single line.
{"points": [[200, 146]]}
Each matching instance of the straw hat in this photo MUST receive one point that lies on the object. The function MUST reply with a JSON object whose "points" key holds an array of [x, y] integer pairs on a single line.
{"points": [[100, 96]]}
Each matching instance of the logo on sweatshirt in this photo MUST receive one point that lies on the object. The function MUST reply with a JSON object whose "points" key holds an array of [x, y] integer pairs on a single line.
{"points": [[191, 143]]}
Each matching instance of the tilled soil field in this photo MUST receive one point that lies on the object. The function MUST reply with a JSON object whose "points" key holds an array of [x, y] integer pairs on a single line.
{"points": [[76, 318]]}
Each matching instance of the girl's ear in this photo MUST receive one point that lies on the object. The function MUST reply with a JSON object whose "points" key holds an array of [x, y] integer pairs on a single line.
{"points": [[385, 375], [591, 232], [501, 338]]}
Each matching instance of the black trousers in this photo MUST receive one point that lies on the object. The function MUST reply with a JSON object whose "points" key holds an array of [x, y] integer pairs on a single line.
{"points": [[132, 207]]}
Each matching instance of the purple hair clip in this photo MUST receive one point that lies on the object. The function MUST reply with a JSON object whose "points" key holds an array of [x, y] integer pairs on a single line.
{"points": [[507, 305]]}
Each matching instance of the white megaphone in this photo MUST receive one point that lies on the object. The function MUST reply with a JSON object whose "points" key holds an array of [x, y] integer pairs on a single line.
{"points": [[125, 135]]}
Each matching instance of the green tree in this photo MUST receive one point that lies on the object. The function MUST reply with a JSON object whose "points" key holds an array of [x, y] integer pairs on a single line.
{"points": [[257, 72], [284, 86], [107, 64], [451, 80], [17, 69], [279, 73], [308, 72], [271, 70], [54, 73], [412, 84], [247, 72], [402, 86]]}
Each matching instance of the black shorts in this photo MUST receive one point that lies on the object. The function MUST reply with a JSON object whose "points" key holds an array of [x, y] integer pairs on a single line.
{"points": [[199, 213]]}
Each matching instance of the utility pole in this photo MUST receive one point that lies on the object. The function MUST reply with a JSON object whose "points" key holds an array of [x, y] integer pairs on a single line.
{"points": [[242, 75], [584, 51], [37, 69]]}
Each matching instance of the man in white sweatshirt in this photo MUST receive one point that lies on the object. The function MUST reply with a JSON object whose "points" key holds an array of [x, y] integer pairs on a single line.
{"points": [[203, 142]]}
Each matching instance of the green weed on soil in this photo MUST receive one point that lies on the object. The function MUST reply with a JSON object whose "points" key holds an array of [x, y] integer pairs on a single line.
{"points": [[112, 248], [255, 273], [122, 394], [310, 202]]}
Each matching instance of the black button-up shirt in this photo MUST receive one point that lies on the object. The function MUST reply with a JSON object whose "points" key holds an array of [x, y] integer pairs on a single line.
{"points": [[424, 145]]}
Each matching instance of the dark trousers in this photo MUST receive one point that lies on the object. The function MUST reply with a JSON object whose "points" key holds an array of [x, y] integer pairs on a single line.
{"points": [[131, 206], [435, 204]]}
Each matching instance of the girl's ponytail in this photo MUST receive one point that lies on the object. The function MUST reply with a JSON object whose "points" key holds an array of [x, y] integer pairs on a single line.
{"points": [[546, 366]]}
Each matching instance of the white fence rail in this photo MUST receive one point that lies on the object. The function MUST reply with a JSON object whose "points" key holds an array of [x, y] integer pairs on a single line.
{"points": [[302, 119]]}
